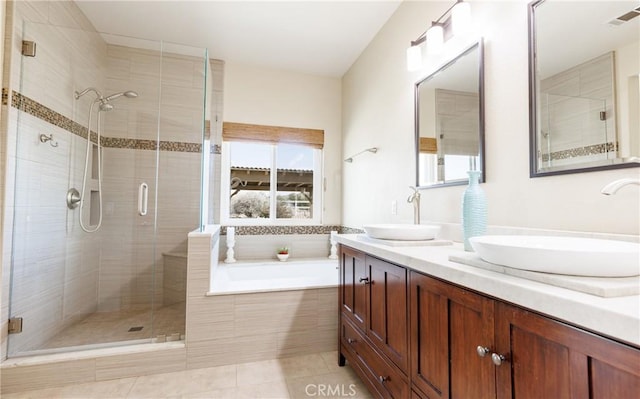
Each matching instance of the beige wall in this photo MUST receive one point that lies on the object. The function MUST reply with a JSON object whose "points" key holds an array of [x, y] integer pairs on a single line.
{"points": [[274, 97], [378, 111]]}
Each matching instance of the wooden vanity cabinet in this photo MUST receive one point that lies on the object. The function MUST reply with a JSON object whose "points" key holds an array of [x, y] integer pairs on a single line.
{"points": [[374, 322], [353, 291], [447, 325], [462, 344], [466, 345], [545, 358]]}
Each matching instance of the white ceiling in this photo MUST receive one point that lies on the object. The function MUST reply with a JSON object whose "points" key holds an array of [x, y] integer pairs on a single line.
{"points": [[316, 37], [562, 44]]}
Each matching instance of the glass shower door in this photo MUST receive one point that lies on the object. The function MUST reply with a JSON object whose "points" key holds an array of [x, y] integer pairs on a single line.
{"points": [[95, 285], [573, 130]]}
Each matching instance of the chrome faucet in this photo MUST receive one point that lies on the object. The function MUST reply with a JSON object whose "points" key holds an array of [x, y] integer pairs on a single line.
{"points": [[616, 185], [415, 199]]}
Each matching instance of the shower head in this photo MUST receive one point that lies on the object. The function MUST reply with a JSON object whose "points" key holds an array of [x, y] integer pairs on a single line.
{"points": [[128, 94], [105, 107]]}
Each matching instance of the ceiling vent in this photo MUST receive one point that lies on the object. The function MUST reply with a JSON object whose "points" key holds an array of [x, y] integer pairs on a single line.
{"points": [[625, 17]]}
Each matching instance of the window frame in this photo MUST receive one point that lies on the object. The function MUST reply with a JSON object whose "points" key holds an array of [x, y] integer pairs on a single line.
{"points": [[225, 191]]}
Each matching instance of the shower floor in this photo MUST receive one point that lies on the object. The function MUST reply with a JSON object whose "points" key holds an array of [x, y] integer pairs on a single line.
{"points": [[106, 327]]}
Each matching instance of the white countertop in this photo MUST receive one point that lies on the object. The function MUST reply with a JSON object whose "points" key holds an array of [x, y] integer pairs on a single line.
{"points": [[618, 318]]}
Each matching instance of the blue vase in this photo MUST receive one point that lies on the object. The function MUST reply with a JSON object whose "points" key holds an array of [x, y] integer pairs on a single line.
{"points": [[474, 210]]}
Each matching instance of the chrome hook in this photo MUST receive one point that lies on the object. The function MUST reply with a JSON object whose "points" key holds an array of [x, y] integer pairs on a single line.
{"points": [[44, 138]]}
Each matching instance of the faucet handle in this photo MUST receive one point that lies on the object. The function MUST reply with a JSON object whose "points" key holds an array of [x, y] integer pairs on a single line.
{"points": [[414, 195]]}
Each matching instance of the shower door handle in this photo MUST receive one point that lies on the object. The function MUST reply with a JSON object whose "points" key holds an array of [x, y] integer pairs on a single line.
{"points": [[143, 199]]}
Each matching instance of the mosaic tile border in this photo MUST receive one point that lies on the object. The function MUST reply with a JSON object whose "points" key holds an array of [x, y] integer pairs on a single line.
{"points": [[42, 112], [594, 149], [284, 230]]}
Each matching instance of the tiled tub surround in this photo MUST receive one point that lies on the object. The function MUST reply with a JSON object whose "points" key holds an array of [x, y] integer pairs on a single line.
{"points": [[261, 242], [224, 329]]}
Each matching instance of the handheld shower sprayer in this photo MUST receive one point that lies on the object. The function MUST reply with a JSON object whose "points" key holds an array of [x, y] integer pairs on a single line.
{"points": [[128, 94], [104, 101], [103, 106]]}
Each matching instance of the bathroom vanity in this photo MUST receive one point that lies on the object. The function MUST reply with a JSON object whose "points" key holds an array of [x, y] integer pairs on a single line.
{"points": [[415, 325]]}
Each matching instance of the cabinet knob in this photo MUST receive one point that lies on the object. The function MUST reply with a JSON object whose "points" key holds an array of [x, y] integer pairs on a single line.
{"points": [[482, 350], [351, 340], [383, 379], [498, 359], [364, 280]]}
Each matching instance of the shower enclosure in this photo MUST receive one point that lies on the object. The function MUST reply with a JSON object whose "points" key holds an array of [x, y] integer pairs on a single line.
{"points": [[120, 279], [573, 130]]}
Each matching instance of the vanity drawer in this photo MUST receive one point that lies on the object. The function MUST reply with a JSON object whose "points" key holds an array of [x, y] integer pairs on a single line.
{"points": [[386, 378], [349, 336]]}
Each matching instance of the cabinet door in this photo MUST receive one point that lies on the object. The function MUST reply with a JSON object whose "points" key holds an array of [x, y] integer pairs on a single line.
{"points": [[353, 286], [448, 324], [387, 324], [548, 359]]}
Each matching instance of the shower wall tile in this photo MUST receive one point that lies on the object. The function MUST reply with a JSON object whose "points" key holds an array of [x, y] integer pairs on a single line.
{"points": [[62, 13], [46, 244], [72, 57], [48, 254], [572, 101]]}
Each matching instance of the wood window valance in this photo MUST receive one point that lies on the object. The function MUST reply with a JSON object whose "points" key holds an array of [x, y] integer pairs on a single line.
{"points": [[428, 145], [232, 131]]}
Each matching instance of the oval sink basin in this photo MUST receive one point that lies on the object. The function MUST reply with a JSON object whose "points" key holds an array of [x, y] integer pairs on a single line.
{"points": [[574, 256], [402, 232]]}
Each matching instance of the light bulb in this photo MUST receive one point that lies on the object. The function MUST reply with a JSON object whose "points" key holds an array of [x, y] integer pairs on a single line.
{"points": [[461, 18], [414, 58], [435, 39]]}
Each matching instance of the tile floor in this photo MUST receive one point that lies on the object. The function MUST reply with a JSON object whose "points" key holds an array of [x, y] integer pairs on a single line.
{"points": [[308, 376], [104, 327]]}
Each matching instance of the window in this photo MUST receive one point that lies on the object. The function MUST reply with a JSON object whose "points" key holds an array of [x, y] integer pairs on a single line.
{"points": [[270, 176]]}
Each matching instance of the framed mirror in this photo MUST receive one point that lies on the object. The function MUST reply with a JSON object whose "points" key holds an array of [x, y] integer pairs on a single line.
{"points": [[584, 69], [449, 121]]}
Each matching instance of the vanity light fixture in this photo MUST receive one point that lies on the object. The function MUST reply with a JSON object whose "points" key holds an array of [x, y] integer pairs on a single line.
{"points": [[455, 21], [372, 150], [460, 18], [435, 39]]}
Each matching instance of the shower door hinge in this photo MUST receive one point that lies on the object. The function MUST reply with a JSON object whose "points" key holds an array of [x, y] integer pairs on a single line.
{"points": [[28, 48], [15, 325]]}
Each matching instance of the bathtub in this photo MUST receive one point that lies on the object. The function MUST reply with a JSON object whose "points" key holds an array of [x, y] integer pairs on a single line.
{"points": [[265, 276]]}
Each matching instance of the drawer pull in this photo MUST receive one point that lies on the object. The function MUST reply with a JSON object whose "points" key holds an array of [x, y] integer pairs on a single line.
{"points": [[482, 350], [364, 280], [383, 379], [351, 340], [498, 359]]}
